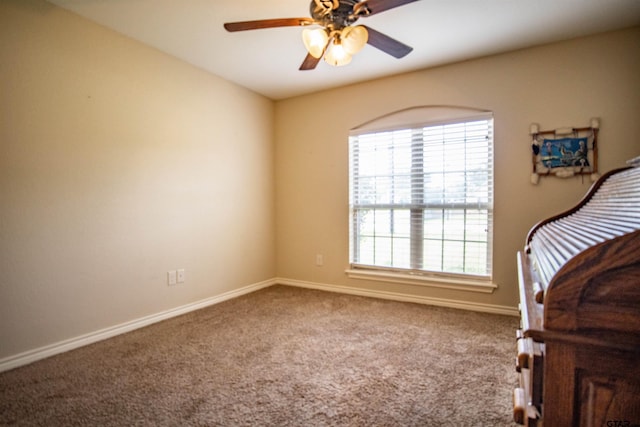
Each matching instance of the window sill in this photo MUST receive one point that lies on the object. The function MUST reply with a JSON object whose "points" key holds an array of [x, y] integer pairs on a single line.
{"points": [[459, 284]]}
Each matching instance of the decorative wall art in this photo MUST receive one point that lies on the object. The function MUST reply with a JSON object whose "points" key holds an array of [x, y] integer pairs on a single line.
{"points": [[565, 152]]}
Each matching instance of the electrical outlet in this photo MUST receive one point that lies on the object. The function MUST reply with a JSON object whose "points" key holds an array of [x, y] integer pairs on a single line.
{"points": [[319, 260], [171, 277], [181, 275]]}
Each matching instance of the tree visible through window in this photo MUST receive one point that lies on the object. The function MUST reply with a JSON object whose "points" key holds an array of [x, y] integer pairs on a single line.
{"points": [[421, 198]]}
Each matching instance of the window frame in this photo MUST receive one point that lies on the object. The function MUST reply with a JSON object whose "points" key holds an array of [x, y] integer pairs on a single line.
{"points": [[420, 276]]}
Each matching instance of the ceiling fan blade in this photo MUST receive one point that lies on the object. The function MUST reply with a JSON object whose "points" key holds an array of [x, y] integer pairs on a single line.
{"points": [[387, 44], [309, 63], [267, 23], [371, 7]]}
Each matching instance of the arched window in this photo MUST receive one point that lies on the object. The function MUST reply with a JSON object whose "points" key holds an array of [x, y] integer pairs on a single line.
{"points": [[421, 195]]}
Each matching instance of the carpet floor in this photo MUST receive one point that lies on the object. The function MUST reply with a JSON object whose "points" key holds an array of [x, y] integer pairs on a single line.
{"points": [[281, 356]]}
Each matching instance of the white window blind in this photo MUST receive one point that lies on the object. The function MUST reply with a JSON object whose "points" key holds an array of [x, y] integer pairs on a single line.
{"points": [[421, 198]]}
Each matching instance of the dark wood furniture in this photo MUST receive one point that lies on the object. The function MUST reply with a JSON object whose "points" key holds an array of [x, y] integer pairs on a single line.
{"points": [[579, 278]]}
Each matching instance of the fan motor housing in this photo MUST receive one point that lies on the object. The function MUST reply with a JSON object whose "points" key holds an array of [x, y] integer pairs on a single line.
{"points": [[334, 19]]}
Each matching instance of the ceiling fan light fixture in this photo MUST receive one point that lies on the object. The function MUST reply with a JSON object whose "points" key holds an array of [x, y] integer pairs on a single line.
{"points": [[315, 41], [336, 55], [339, 38], [353, 39]]}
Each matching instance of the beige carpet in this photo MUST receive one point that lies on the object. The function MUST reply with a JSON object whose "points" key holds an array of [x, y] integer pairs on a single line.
{"points": [[281, 356]]}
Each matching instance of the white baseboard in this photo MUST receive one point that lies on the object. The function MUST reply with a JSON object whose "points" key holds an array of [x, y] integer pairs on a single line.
{"points": [[396, 296], [30, 356], [90, 338]]}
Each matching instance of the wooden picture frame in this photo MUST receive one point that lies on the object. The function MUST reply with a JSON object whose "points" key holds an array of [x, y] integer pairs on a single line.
{"points": [[565, 152]]}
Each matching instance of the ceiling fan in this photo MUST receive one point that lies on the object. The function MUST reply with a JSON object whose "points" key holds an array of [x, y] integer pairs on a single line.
{"points": [[337, 40]]}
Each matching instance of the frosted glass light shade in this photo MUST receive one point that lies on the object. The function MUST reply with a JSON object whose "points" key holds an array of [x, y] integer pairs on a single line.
{"points": [[336, 55], [354, 38], [315, 41]]}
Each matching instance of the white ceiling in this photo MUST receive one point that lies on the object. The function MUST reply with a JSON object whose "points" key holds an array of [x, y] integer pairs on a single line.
{"points": [[266, 61]]}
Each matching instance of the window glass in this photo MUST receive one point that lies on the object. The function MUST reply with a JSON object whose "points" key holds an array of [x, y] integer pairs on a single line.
{"points": [[421, 198]]}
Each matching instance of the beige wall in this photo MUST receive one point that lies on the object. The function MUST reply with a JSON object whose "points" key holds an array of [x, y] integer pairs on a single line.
{"points": [[117, 164], [559, 85]]}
